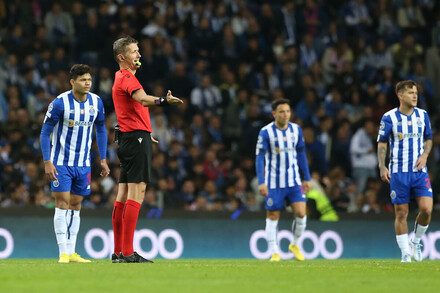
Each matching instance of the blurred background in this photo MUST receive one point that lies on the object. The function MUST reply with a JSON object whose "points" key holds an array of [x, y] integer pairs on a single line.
{"points": [[336, 61]]}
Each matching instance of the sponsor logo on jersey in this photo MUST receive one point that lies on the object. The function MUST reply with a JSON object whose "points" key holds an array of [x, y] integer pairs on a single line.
{"points": [[401, 135], [382, 125], [81, 111], [71, 123]]}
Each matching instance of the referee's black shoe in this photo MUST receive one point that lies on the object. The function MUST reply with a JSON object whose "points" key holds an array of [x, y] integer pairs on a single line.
{"points": [[133, 258], [115, 258]]}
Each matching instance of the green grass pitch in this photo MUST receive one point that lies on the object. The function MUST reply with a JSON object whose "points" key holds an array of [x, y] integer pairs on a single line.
{"points": [[220, 275]]}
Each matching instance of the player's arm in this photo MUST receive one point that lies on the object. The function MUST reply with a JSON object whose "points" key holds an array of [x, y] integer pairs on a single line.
{"points": [[148, 101], [50, 120], [302, 161], [381, 156], [261, 150], [49, 168], [421, 161], [304, 166], [382, 146], [101, 138]]}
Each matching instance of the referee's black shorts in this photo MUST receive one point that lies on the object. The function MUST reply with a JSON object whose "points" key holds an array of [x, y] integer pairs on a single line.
{"points": [[135, 152]]}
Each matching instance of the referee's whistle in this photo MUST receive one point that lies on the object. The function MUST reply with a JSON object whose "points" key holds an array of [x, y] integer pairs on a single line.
{"points": [[138, 63]]}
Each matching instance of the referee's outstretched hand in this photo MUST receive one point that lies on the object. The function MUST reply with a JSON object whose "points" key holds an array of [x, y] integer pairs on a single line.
{"points": [[173, 100]]}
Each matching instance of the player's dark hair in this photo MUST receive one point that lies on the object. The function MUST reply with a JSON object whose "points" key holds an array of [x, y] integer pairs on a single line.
{"points": [[278, 102], [402, 85], [120, 46], [78, 70]]}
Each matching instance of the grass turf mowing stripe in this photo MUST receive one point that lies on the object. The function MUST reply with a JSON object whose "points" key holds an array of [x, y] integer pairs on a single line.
{"points": [[220, 275]]}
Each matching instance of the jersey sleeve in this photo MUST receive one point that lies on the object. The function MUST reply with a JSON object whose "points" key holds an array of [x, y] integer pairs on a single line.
{"points": [[428, 131], [262, 143], [262, 147], [101, 112], [300, 146], [55, 112], [385, 128], [131, 84]]}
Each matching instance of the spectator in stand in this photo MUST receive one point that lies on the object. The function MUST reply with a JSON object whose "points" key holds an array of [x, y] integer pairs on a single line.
{"points": [[363, 155], [206, 97]]}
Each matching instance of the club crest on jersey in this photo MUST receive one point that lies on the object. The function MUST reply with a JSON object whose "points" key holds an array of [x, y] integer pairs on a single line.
{"points": [[419, 122], [382, 125], [269, 202], [92, 110], [393, 194], [56, 183]]}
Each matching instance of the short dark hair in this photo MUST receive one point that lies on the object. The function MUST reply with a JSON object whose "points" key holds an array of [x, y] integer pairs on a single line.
{"points": [[120, 46], [402, 85], [278, 102], [78, 70]]}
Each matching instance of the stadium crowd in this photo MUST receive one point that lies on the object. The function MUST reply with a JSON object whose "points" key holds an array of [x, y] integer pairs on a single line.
{"points": [[336, 61]]}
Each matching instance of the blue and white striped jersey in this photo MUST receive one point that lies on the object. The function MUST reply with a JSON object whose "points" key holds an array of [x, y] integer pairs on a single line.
{"points": [[73, 121], [280, 149], [406, 135]]}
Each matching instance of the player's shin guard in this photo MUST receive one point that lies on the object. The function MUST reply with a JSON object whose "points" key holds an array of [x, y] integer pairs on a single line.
{"points": [[298, 228], [271, 234], [118, 210], [129, 221], [73, 221], [60, 227]]}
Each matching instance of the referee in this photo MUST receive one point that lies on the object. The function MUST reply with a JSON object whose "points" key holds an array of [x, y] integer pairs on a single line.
{"points": [[135, 146]]}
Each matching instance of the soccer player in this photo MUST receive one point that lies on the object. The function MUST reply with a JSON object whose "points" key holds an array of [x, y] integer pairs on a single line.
{"points": [[279, 156], [408, 131], [134, 146], [70, 119]]}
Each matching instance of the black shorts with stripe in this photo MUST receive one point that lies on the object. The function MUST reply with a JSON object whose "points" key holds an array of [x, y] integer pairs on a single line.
{"points": [[135, 152]]}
